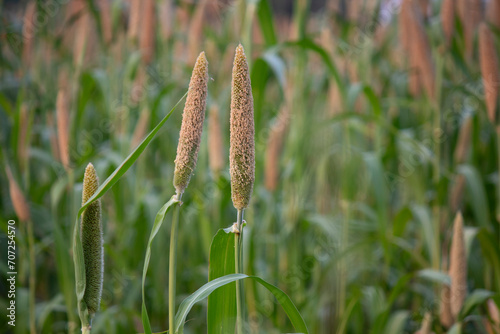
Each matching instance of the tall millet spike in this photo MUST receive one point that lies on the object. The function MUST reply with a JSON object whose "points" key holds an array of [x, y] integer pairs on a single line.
{"points": [[19, 203], [445, 316], [458, 267], [493, 13], [83, 27], [106, 24], [134, 19], [242, 145], [147, 31], [92, 241], [192, 125], [471, 14], [421, 51], [195, 36], [29, 32], [215, 142], [404, 26], [448, 19], [489, 70]]}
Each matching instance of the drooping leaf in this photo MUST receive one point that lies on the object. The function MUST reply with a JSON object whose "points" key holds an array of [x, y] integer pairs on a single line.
{"points": [[476, 298], [477, 193], [434, 276], [396, 323], [203, 292], [105, 186], [491, 252], [128, 162], [160, 216]]}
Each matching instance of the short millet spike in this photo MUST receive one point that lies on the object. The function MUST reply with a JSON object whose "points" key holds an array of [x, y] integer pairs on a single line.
{"points": [[92, 242]]}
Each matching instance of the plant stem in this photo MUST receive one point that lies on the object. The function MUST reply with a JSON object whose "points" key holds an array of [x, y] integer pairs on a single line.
{"points": [[497, 211], [437, 134], [238, 237], [86, 330], [345, 206], [32, 277], [436, 210], [172, 265]]}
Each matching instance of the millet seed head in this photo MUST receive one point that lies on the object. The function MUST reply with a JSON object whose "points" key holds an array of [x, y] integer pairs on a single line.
{"points": [[458, 267], [242, 146], [19, 202], [192, 125], [488, 59], [92, 242]]}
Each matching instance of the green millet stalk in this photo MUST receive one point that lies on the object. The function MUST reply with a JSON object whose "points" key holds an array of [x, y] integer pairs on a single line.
{"points": [[192, 125], [91, 235], [242, 148], [448, 19]]}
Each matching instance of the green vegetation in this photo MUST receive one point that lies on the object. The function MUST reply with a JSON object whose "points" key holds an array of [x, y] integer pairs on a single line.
{"points": [[376, 192]]}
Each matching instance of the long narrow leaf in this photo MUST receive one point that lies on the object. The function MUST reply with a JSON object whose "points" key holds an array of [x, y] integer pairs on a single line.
{"points": [[476, 298], [311, 45], [265, 16], [160, 216], [105, 186], [203, 292], [128, 162]]}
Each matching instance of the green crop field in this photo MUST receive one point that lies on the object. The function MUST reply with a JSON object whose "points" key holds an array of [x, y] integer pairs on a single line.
{"points": [[250, 166]]}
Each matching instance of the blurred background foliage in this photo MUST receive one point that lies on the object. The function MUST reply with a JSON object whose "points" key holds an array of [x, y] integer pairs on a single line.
{"points": [[372, 132]]}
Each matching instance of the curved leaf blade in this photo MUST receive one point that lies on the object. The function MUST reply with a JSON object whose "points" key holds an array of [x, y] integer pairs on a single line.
{"points": [[160, 217], [476, 298], [203, 292], [104, 187], [128, 162]]}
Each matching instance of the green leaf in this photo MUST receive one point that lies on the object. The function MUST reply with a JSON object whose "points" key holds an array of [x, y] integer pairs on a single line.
{"points": [[80, 282], [456, 329], [374, 100], [160, 216], [309, 44], [221, 311], [489, 247], [277, 65], [397, 322], [434, 276], [476, 298], [265, 17], [128, 162], [6, 105], [105, 186], [401, 220], [477, 193], [423, 216], [353, 92], [207, 289]]}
